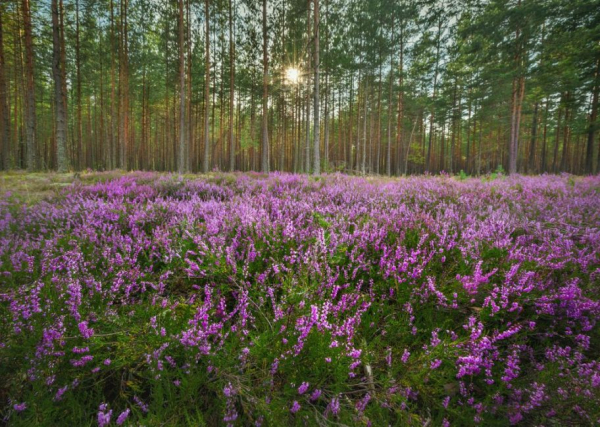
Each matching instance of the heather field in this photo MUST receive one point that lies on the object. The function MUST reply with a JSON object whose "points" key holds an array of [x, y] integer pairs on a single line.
{"points": [[247, 299]]}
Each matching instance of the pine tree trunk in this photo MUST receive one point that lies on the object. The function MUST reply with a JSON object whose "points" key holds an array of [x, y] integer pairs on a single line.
{"points": [[399, 128], [364, 139], [265, 97], [317, 130], [206, 162], [428, 166], [124, 89], [589, 161], [59, 98], [5, 119], [231, 89], [557, 139], [182, 164], [533, 139], [30, 116], [388, 155], [544, 154], [79, 129]]}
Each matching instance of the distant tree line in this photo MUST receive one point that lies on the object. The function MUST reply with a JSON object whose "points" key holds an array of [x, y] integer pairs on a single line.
{"points": [[386, 86]]}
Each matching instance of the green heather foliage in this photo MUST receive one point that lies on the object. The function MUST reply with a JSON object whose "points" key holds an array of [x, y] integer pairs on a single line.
{"points": [[247, 299]]}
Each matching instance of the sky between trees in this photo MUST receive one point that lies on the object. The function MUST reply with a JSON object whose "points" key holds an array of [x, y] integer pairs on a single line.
{"points": [[363, 86]]}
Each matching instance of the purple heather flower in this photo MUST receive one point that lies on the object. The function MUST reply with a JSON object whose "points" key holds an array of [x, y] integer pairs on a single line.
{"points": [[104, 416], [303, 387], [315, 395], [20, 407], [123, 416]]}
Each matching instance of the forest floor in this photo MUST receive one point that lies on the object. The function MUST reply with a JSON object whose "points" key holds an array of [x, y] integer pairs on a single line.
{"points": [[248, 299]]}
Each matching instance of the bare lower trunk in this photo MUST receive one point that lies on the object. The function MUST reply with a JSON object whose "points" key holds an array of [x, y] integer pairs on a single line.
{"points": [[533, 139], [317, 135], [59, 97], [206, 162], [30, 119], [231, 89], [265, 98], [5, 120], [589, 161]]}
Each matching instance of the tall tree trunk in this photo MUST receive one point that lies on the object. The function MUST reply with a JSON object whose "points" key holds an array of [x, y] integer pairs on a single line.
{"points": [[30, 118], [113, 101], [566, 135], [124, 88], [307, 99], [59, 97], [399, 128], [533, 139], [455, 119], [265, 97], [328, 91], [518, 92], [317, 130], [182, 166], [231, 89], [428, 166], [544, 161], [589, 161], [206, 162], [557, 139], [79, 129], [5, 119], [364, 139], [349, 164], [388, 155]]}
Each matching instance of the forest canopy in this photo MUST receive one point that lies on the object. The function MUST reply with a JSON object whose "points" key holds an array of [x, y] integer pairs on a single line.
{"points": [[379, 86]]}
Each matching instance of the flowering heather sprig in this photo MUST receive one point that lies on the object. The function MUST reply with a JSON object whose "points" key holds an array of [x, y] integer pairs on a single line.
{"points": [[123, 416]]}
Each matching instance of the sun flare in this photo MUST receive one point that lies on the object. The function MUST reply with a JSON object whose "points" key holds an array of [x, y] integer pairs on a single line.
{"points": [[292, 75]]}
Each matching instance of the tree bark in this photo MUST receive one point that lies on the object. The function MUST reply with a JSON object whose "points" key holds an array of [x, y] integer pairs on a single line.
{"points": [[206, 162], [317, 130], [533, 139], [5, 119], [433, 99], [589, 157], [231, 89], [182, 167], [79, 127], [399, 127], [30, 116], [59, 96], [265, 97], [124, 89]]}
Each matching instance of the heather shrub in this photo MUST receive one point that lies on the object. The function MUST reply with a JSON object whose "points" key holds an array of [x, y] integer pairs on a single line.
{"points": [[240, 299]]}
